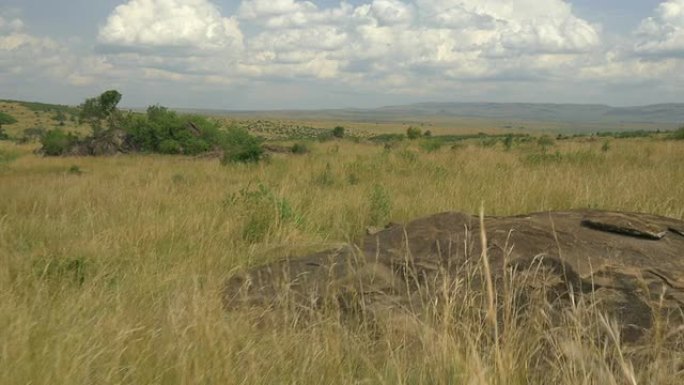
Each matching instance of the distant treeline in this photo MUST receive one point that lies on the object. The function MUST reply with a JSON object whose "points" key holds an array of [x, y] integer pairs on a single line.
{"points": [[446, 138]]}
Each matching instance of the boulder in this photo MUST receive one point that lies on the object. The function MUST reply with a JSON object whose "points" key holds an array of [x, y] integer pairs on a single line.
{"points": [[110, 142], [629, 265]]}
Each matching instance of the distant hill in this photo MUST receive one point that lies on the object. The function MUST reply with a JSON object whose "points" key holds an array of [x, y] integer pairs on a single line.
{"points": [[559, 117], [671, 114], [585, 113]]}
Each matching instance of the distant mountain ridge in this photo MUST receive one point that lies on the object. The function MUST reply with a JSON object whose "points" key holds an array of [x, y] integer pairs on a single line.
{"points": [[657, 113], [669, 114]]}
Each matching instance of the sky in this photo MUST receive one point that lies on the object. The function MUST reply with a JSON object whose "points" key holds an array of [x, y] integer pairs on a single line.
{"points": [[291, 54]]}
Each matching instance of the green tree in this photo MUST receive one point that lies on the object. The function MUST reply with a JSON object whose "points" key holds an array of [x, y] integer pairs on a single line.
{"points": [[103, 108], [413, 133], [338, 132], [5, 119]]}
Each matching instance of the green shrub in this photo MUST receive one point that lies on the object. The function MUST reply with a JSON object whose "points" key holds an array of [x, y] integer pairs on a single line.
{"points": [[266, 211], [507, 142], [606, 146], [413, 133], [170, 146], [431, 145], [57, 142], [338, 132], [545, 142], [75, 170], [625, 134], [195, 146], [241, 146], [488, 141], [5, 119], [159, 128], [678, 134]]}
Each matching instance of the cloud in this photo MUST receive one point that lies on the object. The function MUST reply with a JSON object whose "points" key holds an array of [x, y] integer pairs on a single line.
{"points": [[22, 53], [653, 53], [410, 44], [192, 25], [663, 33], [10, 25], [36, 59], [257, 9], [546, 26]]}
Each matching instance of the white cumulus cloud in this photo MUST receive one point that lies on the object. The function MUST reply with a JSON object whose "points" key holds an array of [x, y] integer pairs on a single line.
{"points": [[663, 33], [387, 40], [10, 25], [379, 40], [180, 24], [34, 58]]}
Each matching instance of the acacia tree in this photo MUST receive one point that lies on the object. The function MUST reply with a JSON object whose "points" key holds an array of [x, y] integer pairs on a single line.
{"points": [[101, 109], [5, 119]]}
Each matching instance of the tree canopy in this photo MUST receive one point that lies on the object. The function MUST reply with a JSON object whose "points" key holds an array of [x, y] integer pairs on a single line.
{"points": [[101, 108]]}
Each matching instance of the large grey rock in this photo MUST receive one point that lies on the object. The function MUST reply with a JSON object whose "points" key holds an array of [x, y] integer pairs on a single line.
{"points": [[631, 265]]}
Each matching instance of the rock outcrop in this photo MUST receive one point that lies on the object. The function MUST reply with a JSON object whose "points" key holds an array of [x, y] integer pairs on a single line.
{"points": [[630, 265]]}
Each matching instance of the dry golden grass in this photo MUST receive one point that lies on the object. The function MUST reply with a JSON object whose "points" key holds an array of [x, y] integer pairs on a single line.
{"points": [[441, 125], [35, 119], [110, 271]]}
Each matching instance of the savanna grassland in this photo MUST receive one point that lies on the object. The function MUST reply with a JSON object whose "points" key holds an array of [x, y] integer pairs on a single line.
{"points": [[41, 117], [111, 268]]}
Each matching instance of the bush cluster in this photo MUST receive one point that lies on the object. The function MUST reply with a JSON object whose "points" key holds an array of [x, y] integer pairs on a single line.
{"points": [[241, 146], [300, 148], [159, 130], [57, 142], [338, 132], [163, 131], [167, 132], [413, 133], [678, 134], [5, 119]]}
